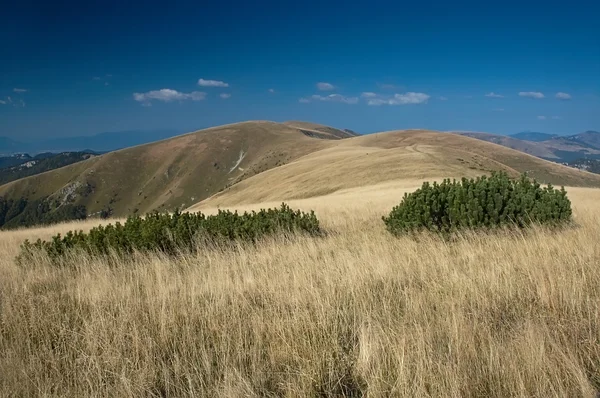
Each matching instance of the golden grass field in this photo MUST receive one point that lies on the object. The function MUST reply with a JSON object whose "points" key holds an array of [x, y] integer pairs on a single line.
{"points": [[355, 313]]}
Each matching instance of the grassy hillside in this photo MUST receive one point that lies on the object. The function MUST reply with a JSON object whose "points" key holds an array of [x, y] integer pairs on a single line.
{"points": [[317, 130], [174, 172], [355, 313], [386, 157]]}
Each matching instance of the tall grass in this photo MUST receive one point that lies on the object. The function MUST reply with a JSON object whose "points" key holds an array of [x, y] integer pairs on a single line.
{"points": [[356, 312]]}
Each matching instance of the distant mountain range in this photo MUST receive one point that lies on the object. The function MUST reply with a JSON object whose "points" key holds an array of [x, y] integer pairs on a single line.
{"points": [[563, 149], [103, 142], [533, 136]]}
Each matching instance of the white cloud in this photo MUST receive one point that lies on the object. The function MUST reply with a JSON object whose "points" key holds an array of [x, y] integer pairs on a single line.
{"points": [[330, 98], [368, 95], [168, 95], [272, 91], [325, 86], [9, 100], [556, 117], [225, 95], [400, 99], [542, 117], [442, 98], [563, 96], [19, 90], [3, 102], [531, 94], [212, 83], [494, 95], [498, 109], [95, 78]]}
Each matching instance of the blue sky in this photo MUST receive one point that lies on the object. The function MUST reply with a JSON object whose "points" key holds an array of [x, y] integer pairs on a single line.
{"points": [[81, 68]]}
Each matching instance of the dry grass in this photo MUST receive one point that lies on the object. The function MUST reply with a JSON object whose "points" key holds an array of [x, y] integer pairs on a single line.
{"points": [[355, 312]]}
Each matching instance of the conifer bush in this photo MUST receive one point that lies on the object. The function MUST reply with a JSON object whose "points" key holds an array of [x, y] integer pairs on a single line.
{"points": [[172, 233], [484, 202]]}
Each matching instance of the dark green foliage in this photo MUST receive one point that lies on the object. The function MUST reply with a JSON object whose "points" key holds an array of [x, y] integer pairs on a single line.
{"points": [[25, 165], [485, 202], [172, 233], [23, 213]]}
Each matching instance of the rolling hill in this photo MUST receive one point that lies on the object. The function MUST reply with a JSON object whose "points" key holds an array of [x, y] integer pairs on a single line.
{"points": [[262, 161], [165, 174], [413, 155]]}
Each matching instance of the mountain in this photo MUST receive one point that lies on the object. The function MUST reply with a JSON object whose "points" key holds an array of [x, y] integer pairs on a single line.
{"points": [[532, 148], [559, 148], [382, 158], [103, 142], [174, 172], [29, 166], [258, 161], [317, 130], [533, 136]]}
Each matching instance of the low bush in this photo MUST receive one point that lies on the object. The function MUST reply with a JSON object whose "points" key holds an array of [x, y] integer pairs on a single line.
{"points": [[484, 202], [172, 233]]}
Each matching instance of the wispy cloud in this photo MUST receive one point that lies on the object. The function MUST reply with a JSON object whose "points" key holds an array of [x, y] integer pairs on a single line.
{"points": [[368, 95], [556, 117], [494, 95], [212, 83], [330, 98], [323, 86], [20, 90], [442, 98], [531, 94], [541, 117], [225, 95], [272, 91], [96, 78], [2, 102], [385, 86], [498, 109], [399, 99], [563, 96], [168, 95]]}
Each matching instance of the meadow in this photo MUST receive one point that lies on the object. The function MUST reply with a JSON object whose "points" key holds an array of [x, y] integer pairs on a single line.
{"points": [[357, 312]]}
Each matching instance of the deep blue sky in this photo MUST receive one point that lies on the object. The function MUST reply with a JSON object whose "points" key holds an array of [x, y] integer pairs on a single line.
{"points": [[425, 64]]}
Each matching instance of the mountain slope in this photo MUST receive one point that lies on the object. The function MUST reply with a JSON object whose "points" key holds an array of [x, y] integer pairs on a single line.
{"points": [[320, 131], [533, 136], [169, 173], [41, 163], [559, 148], [414, 155]]}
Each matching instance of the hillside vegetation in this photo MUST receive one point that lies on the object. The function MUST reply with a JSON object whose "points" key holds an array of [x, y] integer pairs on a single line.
{"points": [[357, 312], [29, 166]]}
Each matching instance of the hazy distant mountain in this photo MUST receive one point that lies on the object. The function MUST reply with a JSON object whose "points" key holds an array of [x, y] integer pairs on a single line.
{"points": [[103, 142], [533, 136], [556, 148]]}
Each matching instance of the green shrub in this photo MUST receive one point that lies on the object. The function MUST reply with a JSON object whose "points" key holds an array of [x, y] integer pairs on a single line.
{"points": [[172, 233], [484, 202]]}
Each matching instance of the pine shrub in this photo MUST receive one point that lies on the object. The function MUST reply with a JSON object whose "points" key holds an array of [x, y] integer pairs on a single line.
{"points": [[173, 233], [484, 202]]}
